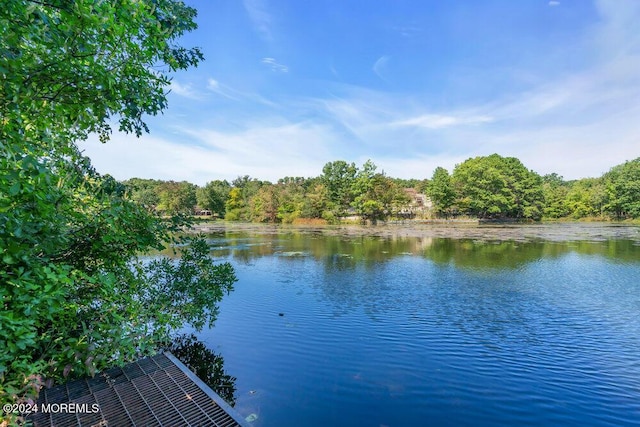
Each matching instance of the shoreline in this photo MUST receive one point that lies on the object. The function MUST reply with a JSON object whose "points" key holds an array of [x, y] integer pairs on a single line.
{"points": [[460, 229]]}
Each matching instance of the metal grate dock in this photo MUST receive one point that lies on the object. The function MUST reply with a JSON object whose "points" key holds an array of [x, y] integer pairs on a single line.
{"points": [[155, 391]]}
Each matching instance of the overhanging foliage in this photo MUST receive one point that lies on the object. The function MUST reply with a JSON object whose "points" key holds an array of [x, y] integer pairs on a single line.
{"points": [[74, 297]]}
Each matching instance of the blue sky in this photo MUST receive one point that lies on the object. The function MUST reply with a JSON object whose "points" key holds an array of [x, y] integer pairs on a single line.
{"points": [[288, 85]]}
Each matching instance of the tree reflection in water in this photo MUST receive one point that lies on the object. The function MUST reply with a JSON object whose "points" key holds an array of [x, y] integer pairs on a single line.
{"points": [[206, 364]]}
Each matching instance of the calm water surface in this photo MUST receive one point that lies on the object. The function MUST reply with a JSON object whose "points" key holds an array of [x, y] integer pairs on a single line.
{"points": [[430, 331]]}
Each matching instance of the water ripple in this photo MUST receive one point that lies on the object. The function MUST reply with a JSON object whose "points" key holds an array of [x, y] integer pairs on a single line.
{"points": [[411, 340]]}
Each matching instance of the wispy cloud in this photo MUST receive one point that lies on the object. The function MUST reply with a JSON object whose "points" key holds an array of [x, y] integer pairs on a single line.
{"points": [[438, 121], [554, 3], [380, 65], [617, 34], [215, 86], [578, 121], [184, 90], [262, 150], [261, 19], [231, 93], [334, 71], [274, 65], [407, 31]]}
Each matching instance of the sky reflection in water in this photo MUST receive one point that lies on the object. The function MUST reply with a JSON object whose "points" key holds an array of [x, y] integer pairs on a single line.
{"points": [[414, 331]]}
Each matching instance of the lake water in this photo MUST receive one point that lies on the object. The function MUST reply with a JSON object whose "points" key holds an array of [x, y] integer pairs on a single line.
{"points": [[330, 330]]}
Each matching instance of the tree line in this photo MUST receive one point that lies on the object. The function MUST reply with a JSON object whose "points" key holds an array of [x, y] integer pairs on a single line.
{"points": [[486, 187], [75, 298]]}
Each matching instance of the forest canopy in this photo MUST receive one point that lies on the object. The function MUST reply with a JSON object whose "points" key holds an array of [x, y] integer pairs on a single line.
{"points": [[486, 187]]}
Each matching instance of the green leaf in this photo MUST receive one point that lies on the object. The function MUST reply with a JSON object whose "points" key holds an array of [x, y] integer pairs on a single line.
{"points": [[14, 189]]}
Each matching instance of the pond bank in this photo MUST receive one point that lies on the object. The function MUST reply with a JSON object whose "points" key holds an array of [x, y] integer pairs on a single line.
{"points": [[557, 231]]}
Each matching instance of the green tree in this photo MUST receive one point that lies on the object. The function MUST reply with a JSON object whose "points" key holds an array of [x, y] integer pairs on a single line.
{"points": [[264, 204], [317, 203], [407, 183], [441, 192], [498, 187], [239, 202], [248, 186], [376, 195], [177, 197], [585, 198], [555, 190], [338, 177], [213, 196], [74, 298], [623, 190], [234, 205], [291, 192], [144, 191]]}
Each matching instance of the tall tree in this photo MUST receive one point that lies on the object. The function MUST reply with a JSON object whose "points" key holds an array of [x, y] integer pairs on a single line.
{"points": [[338, 177], [585, 198], [177, 197], [498, 187], [213, 196], [239, 202], [75, 300], [265, 203], [555, 190], [376, 195], [441, 192], [144, 191], [291, 196], [623, 190], [317, 203], [234, 205]]}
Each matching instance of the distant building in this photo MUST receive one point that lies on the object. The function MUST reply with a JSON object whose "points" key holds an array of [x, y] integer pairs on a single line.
{"points": [[201, 212], [419, 205]]}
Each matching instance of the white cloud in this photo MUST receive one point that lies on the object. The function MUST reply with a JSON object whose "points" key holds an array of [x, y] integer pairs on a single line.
{"points": [[228, 92], [184, 90], [418, 167], [263, 151], [577, 123], [380, 65], [215, 86], [617, 34], [261, 19], [437, 121], [554, 3], [274, 65], [334, 71], [407, 31]]}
